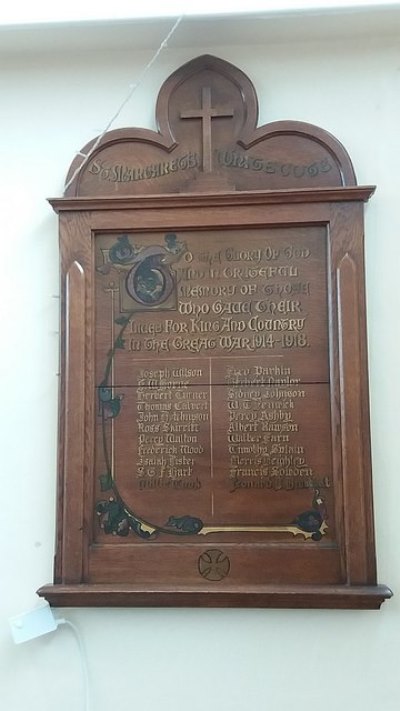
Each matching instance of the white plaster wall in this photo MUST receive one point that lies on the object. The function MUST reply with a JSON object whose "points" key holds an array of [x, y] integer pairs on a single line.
{"points": [[164, 660]]}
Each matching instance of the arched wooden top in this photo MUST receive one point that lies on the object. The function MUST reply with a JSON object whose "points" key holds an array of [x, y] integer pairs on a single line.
{"points": [[208, 141]]}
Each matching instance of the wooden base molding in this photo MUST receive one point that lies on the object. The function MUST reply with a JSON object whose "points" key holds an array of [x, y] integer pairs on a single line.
{"points": [[345, 597]]}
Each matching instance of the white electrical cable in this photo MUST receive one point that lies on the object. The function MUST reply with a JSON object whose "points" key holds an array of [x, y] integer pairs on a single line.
{"points": [[82, 654], [132, 89]]}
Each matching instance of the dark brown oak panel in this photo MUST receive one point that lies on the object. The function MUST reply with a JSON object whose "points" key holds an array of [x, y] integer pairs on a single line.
{"points": [[214, 434]]}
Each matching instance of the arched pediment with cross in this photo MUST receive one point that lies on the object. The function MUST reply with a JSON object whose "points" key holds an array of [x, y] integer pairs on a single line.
{"points": [[208, 141]]}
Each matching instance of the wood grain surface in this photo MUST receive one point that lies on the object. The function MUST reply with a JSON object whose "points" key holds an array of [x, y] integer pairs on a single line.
{"points": [[214, 429]]}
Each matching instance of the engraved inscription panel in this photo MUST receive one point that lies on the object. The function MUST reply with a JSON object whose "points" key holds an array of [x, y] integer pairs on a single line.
{"points": [[213, 387]]}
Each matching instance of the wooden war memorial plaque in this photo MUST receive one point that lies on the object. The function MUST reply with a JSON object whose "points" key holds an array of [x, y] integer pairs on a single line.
{"points": [[214, 429]]}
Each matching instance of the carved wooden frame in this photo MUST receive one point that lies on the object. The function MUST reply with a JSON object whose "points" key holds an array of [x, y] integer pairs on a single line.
{"points": [[311, 182], [341, 210]]}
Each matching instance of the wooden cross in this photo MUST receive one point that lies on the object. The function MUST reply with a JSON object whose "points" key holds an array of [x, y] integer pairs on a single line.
{"points": [[206, 113]]}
